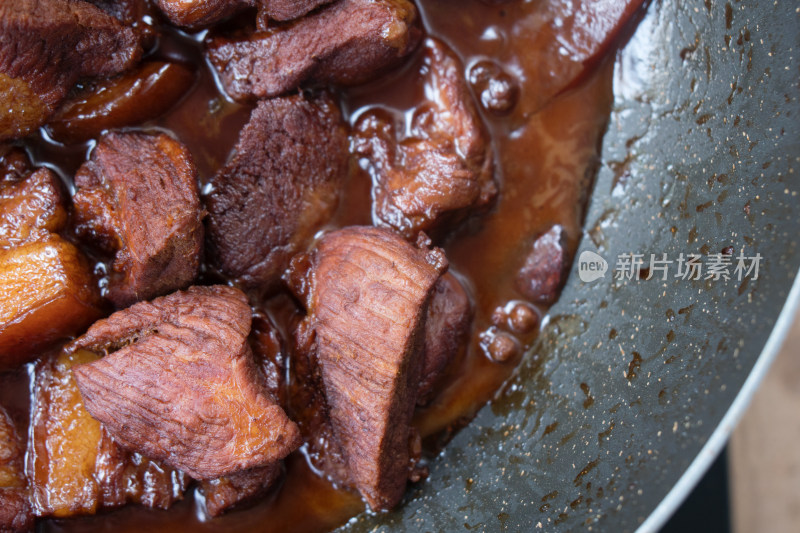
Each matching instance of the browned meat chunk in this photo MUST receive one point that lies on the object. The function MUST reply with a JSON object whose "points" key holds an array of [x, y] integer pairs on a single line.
{"points": [[137, 197], [199, 13], [443, 168], [15, 510], [349, 42], [367, 312], [306, 396], [47, 284], [45, 47], [279, 189], [74, 465], [446, 332], [182, 386], [31, 208], [128, 12], [288, 9], [14, 164], [239, 488], [132, 98], [546, 267]]}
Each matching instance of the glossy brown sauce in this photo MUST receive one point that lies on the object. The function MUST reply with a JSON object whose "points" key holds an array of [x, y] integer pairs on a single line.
{"points": [[546, 163]]}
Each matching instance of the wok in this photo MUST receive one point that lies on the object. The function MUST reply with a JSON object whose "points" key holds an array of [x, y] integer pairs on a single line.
{"points": [[706, 123]]}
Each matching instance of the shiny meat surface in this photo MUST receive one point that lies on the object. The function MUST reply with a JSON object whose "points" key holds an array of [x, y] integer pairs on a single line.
{"points": [[279, 189], [31, 208], [48, 289], [74, 465], [206, 410], [15, 508], [137, 198], [134, 97], [45, 47], [431, 176], [347, 43]]}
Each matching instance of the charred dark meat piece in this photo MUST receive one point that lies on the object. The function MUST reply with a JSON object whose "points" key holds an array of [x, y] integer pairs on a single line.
{"points": [[367, 311], [182, 386], [546, 267], [349, 42], [15, 509], [444, 168], [137, 198], [46, 282], [74, 465], [45, 47], [446, 332], [279, 189]]}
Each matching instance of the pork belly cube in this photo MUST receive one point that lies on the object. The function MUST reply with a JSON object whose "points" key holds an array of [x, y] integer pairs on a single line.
{"points": [[45, 47], [74, 465], [31, 208], [442, 169], [49, 294], [346, 43], [546, 267], [15, 509], [367, 310], [279, 189], [47, 285], [179, 384], [447, 327], [137, 197], [135, 97]]}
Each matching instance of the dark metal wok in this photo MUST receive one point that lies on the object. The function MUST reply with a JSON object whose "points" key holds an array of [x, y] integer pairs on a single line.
{"points": [[635, 386]]}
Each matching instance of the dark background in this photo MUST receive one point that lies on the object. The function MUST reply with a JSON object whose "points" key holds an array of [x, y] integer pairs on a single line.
{"points": [[707, 509]]}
